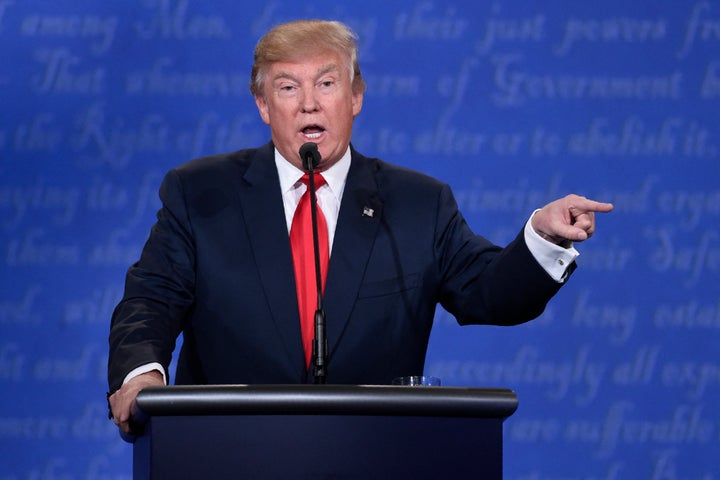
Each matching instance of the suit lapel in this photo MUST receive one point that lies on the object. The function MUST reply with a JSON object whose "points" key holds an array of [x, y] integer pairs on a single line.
{"points": [[264, 216], [358, 222]]}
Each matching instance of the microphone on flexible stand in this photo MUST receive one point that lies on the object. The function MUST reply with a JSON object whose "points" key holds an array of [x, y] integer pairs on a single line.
{"points": [[310, 157]]}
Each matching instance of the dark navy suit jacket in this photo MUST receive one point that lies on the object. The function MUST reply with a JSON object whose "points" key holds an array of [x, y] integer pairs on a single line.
{"points": [[217, 266]]}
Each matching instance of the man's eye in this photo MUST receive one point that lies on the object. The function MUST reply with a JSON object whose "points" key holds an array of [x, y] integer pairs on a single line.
{"points": [[286, 90]]}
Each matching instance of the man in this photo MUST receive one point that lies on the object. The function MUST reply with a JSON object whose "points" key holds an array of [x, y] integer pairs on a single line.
{"points": [[219, 268]]}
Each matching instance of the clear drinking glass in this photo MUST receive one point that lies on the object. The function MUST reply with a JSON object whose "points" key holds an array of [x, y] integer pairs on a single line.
{"points": [[417, 381]]}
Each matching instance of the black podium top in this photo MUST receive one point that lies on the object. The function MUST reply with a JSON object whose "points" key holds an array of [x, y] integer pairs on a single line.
{"points": [[327, 400]]}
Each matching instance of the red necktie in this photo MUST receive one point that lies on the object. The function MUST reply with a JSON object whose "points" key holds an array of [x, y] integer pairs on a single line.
{"points": [[301, 242]]}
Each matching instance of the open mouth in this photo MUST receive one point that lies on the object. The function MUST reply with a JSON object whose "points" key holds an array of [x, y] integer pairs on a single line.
{"points": [[313, 132]]}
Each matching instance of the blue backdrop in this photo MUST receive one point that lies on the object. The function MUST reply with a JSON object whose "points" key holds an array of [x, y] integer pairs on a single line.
{"points": [[513, 103]]}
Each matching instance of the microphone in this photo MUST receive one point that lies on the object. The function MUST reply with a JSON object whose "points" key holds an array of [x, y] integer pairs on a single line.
{"points": [[310, 157]]}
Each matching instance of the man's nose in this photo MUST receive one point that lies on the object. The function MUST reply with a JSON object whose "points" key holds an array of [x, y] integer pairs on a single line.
{"points": [[308, 100]]}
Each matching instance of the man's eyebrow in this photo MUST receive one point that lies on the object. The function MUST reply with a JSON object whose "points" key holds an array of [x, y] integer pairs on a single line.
{"points": [[284, 75], [330, 67]]}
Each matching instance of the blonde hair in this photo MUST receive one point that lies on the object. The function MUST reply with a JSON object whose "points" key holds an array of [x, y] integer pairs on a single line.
{"points": [[296, 39]]}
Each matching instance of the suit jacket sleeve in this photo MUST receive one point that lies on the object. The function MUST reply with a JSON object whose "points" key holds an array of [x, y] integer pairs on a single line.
{"points": [[483, 283], [158, 291]]}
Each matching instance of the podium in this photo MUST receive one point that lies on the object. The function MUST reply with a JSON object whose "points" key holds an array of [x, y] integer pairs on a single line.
{"points": [[321, 432]]}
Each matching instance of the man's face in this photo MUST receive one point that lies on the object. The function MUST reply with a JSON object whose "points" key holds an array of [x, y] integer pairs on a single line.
{"points": [[310, 100]]}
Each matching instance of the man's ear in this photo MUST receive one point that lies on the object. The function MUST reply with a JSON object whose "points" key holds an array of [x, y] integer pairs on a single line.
{"points": [[357, 101], [262, 108]]}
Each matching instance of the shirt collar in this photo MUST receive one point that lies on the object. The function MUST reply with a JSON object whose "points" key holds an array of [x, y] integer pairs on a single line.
{"points": [[334, 176]]}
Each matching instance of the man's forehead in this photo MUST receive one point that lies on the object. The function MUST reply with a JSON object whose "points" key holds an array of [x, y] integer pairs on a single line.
{"points": [[296, 69]]}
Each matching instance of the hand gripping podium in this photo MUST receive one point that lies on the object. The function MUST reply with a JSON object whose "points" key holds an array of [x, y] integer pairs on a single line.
{"points": [[321, 431]]}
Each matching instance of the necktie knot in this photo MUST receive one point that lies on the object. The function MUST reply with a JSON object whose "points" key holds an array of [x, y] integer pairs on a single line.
{"points": [[319, 180]]}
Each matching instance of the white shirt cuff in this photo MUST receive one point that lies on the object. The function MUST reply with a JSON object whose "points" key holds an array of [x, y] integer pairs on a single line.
{"points": [[145, 369], [554, 259]]}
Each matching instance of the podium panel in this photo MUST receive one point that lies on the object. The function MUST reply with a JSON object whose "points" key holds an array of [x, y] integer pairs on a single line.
{"points": [[333, 432]]}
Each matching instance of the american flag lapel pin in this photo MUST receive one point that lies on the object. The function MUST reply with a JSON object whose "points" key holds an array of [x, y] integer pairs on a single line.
{"points": [[368, 212]]}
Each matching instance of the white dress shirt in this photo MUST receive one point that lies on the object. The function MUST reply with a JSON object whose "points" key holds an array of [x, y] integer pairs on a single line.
{"points": [[328, 196]]}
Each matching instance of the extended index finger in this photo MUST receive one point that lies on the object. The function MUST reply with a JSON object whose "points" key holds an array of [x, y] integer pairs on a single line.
{"points": [[582, 205]]}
